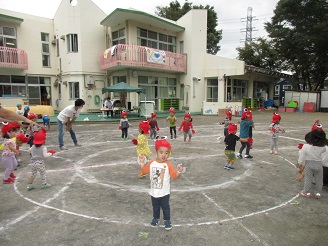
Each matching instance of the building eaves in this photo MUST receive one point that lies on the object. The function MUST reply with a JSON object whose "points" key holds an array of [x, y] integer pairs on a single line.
{"points": [[253, 69], [11, 19], [119, 16]]}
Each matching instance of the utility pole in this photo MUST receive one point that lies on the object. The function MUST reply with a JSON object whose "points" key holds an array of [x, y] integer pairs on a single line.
{"points": [[249, 26]]}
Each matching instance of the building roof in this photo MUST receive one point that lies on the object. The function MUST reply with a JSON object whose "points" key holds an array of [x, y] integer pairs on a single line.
{"points": [[11, 19], [122, 15], [253, 69]]}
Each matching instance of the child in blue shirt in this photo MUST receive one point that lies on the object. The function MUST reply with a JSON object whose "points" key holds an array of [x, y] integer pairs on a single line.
{"points": [[244, 135]]}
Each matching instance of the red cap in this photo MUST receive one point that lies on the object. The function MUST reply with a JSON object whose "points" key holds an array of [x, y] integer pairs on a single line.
{"points": [[276, 117], [32, 116], [144, 126], [187, 115], [124, 113], [40, 137], [232, 128], [162, 143], [8, 126], [316, 127], [24, 138], [172, 110], [153, 115]]}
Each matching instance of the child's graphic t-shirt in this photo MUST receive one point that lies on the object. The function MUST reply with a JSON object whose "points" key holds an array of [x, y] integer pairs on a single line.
{"points": [[160, 176]]}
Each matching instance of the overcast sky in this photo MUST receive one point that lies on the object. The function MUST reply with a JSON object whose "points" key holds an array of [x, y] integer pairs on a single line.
{"points": [[231, 14]]}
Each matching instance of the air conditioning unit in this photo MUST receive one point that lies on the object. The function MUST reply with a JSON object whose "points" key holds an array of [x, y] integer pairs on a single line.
{"points": [[54, 42], [90, 80]]}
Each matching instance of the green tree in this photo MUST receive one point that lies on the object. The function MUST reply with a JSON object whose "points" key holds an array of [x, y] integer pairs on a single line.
{"points": [[175, 11], [299, 32], [261, 53]]}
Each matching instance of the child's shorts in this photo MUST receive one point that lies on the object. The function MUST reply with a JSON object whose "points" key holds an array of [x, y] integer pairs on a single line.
{"points": [[230, 154]]}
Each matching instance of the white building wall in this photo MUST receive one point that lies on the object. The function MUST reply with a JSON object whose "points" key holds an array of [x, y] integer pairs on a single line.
{"points": [[83, 19], [194, 38]]}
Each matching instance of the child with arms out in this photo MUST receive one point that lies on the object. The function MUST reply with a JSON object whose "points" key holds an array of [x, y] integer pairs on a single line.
{"points": [[39, 152], [186, 127], [161, 171], [143, 150]]}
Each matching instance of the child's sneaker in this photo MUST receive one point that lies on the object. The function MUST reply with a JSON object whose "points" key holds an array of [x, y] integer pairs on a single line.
{"points": [[12, 175], [167, 224], [239, 156], [141, 175], [154, 222], [307, 195], [248, 156], [30, 187], [44, 186], [317, 196], [8, 181], [271, 151], [276, 152], [229, 167]]}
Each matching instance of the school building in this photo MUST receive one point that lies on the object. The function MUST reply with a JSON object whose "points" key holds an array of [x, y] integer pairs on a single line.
{"points": [[83, 50]]}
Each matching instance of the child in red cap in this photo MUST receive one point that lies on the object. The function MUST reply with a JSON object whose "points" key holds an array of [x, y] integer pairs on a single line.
{"points": [[173, 122], [153, 126], [143, 150], [124, 125], [38, 154], [9, 131], [187, 127], [161, 171], [230, 143], [274, 132]]}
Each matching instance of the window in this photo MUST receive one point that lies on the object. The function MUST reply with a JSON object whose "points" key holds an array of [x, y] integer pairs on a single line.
{"points": [[72, 43], [12, 86], [181, 47], [287, 87], [156, 40], [74, 90], [59, 91], [158, 87], [118, 37], [212, 90], [237, 89], [45, 49], [276, 90], [8, 37], [39, 90]]}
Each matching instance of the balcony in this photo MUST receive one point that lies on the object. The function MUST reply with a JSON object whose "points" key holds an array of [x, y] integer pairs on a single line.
{"points": [[13, 58], [124, 56]]}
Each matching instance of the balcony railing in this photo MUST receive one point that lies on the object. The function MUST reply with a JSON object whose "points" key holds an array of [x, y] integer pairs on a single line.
{"points": [[126, 55], [13, 58]]}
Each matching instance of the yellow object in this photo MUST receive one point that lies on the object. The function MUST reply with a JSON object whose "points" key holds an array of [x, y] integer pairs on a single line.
{"points": [[3, 145], [38, 109]]}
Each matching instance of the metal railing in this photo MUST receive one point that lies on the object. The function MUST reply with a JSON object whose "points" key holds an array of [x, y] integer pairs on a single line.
{"points": [[127, 55], [13, 58]]}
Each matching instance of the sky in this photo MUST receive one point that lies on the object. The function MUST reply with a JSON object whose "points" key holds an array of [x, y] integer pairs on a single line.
{"points": [[231, 15]]}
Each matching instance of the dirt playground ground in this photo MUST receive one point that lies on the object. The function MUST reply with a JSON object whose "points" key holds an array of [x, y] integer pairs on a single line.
{"points": [[96, 197]]}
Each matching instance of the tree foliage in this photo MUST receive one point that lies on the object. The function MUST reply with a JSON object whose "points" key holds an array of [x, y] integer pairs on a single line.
{"points": [[299, 32], [175, 11], [261, 53]]}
